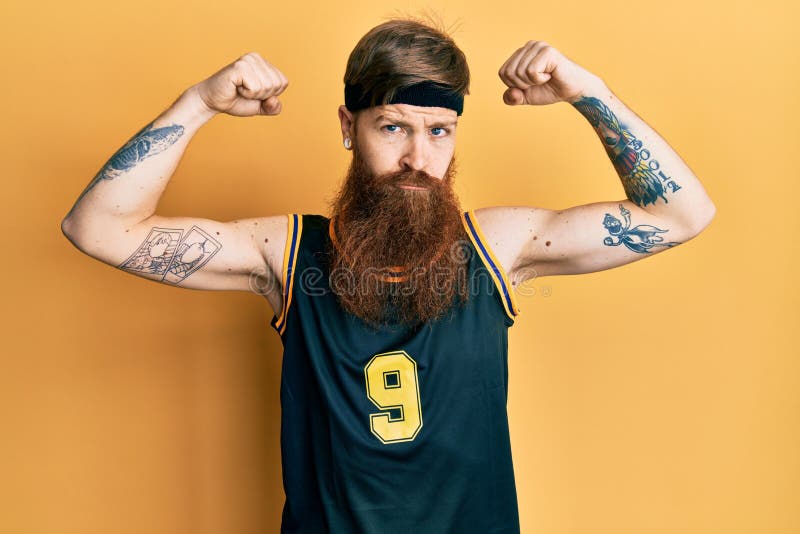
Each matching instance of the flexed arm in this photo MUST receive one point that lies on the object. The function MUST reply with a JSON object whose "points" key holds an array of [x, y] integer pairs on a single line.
{"points": [[114, 219], [666, 204]]}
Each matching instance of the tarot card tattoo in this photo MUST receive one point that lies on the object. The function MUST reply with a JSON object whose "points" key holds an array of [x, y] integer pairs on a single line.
{"points": [[167, 255]]}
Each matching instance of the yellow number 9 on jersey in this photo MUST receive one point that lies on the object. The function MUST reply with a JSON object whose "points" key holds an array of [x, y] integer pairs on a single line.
{"points": [[393, 386]]}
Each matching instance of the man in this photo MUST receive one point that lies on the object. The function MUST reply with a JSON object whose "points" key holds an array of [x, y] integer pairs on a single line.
{"points": [[394, 311]]}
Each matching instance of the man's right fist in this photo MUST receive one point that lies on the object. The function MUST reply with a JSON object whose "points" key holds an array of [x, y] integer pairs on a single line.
{"points": [[248, 86]]}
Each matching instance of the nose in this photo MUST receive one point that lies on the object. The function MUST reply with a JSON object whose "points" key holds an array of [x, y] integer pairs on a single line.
{"points": [[415, 155]]}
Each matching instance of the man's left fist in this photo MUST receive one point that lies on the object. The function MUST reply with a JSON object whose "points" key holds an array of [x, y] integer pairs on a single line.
{"points": [[538, 74]]}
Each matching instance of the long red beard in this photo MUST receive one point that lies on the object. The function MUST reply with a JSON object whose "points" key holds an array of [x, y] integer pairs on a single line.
{"points": [[380, 228]]}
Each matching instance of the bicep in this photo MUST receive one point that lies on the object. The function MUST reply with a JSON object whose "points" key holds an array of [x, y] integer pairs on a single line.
{"points": [[595, 237], [534, 242], [192, 252]]}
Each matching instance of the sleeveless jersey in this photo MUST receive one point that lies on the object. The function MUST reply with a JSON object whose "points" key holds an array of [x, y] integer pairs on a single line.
{"points": [[395, 430]]}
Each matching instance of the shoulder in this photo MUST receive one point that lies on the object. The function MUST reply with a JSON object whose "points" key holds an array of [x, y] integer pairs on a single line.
{"points": [[269, 233], [277, 238], [273, 231], [278, 231], [508, 229]]}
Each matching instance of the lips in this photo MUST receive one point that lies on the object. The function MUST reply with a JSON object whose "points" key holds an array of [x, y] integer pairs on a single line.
{"points": [[412, 187]]}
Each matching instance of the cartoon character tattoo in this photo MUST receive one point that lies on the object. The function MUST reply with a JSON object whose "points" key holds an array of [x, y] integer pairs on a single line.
{"points": [[640, 238], [165, 257], [154, 256]]}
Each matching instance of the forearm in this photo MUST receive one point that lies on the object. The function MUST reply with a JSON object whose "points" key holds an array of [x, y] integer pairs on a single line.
{"points": [[653, 175], [129, 185]]}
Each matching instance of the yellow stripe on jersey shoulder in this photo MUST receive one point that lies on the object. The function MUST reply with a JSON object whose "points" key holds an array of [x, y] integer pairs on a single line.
{"points": [[294, 231], [488, 258]]}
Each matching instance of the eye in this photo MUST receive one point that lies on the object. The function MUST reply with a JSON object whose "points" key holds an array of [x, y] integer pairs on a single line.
{"points": [[445, 130], [391, 126]]}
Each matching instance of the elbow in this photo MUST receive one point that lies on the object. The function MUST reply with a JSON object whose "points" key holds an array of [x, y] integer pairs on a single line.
{"points": [[701, 223], [71, 230], [712, 211], [67, 227]]}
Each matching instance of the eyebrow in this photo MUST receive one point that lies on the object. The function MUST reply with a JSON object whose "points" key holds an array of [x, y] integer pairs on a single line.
{"points": [[438, 124]]}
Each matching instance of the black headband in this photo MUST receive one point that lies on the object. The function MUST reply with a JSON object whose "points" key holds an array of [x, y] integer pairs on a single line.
{"points": [[425, 93]]}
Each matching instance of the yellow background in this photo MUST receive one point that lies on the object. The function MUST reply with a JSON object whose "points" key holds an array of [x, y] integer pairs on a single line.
{"points": [[659, 397]]}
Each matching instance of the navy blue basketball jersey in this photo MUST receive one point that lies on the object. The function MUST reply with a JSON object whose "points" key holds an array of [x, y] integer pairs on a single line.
{"points": [[394, 430]]}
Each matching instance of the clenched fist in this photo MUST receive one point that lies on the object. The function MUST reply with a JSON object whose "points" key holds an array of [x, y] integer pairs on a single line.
{"points": [[248, 86], [538, 74]]}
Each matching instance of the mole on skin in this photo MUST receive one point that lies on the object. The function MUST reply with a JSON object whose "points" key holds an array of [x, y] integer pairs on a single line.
{"points": [[547, 243]]}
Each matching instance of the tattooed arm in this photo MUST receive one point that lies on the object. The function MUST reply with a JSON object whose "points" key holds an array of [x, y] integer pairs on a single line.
{"points": [[114, 219], [666, 204]]}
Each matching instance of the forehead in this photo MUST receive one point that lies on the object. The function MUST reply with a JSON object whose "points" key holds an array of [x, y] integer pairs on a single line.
{"points": [[412, 114]]}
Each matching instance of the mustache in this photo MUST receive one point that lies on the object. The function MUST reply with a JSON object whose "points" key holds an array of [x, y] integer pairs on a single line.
{"points": [[416, 178]]}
